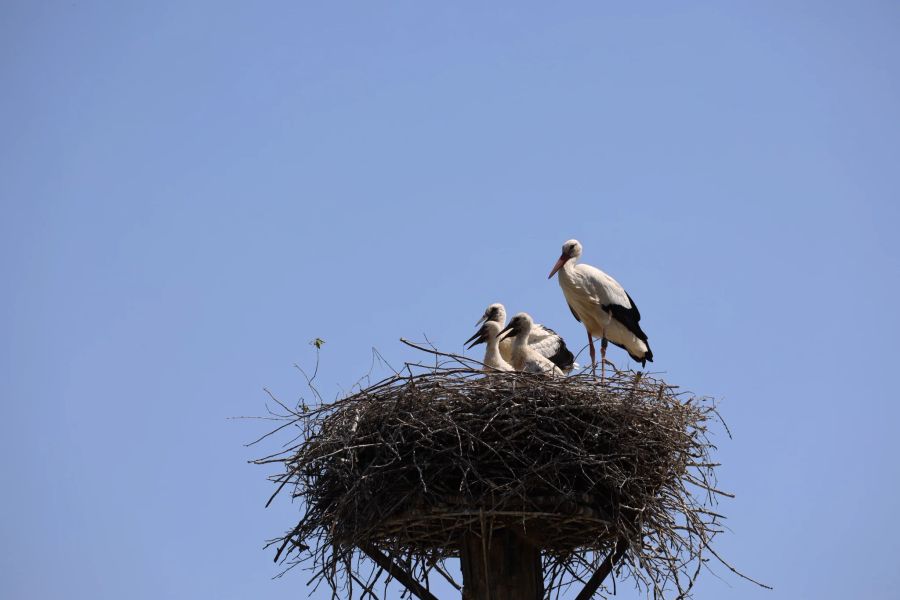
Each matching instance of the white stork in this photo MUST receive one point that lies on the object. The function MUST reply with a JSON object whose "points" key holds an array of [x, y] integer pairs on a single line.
{"points": [[524, 357], [488, 335], [602, 305], [542, 340]]}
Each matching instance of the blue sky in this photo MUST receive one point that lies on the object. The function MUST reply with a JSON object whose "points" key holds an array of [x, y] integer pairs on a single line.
{"points": [[192, 191]]}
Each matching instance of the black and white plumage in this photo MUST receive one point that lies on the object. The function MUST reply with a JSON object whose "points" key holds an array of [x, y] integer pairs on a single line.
{"points": [[602, 305], [524, 357], [488, 334], [542, 340]]}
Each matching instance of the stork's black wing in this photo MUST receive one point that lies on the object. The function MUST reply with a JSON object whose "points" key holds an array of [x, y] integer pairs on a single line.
{"points": [[629, 317]]}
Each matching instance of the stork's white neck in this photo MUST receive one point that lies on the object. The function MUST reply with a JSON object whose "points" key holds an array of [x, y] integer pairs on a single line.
{"points": [[568, 269], [492, 354]]}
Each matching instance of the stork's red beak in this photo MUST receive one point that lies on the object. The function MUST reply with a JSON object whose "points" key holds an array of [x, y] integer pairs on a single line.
{"points": [[562, 260]]}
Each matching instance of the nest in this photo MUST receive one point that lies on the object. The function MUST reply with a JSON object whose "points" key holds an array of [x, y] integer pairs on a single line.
{"points": [[410, 464]]}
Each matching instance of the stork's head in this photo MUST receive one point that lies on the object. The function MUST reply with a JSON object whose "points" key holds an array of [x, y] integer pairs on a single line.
{"points": [[571, 250], [495, 312], [518, 325], [487, 333]]}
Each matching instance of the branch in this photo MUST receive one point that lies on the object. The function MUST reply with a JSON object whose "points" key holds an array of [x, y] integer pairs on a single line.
{"points": [[397, 572], [603, 570]]}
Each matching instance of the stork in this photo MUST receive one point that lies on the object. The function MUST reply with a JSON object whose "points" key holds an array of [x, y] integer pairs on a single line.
{"points": [[603, 306], [524, 357], [542, 340], [488, 335]]}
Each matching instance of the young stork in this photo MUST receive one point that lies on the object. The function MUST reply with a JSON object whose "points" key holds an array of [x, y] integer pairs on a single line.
{"points": [[488, 334], [524, 357], [602, 305], [542, 340]]}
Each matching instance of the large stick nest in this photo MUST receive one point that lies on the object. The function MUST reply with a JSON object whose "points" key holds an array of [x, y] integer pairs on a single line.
{"points": [[409, 464]]}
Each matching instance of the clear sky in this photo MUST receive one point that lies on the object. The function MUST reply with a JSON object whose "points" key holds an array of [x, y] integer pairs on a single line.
{"points": [[192, 191]]}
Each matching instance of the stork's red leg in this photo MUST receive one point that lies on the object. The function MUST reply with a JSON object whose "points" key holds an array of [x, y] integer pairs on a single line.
{"points": [[593, 355], [603, 344]]}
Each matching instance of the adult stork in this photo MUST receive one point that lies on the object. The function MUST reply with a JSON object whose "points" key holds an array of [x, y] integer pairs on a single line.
{"points": [[488, 334], [524, 357], [602, 305], [542, 340]]}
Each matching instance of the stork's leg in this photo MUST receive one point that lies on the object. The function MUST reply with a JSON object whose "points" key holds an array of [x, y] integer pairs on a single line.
{"points": [[603, 344], [593, 355]]}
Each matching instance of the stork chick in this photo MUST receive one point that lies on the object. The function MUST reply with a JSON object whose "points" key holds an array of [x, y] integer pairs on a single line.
{"points": [[524, 357], [488, 333]]}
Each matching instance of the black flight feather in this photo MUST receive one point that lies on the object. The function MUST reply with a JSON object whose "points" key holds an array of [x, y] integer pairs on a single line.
{"points": [[628, 317], [563, 357]]}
